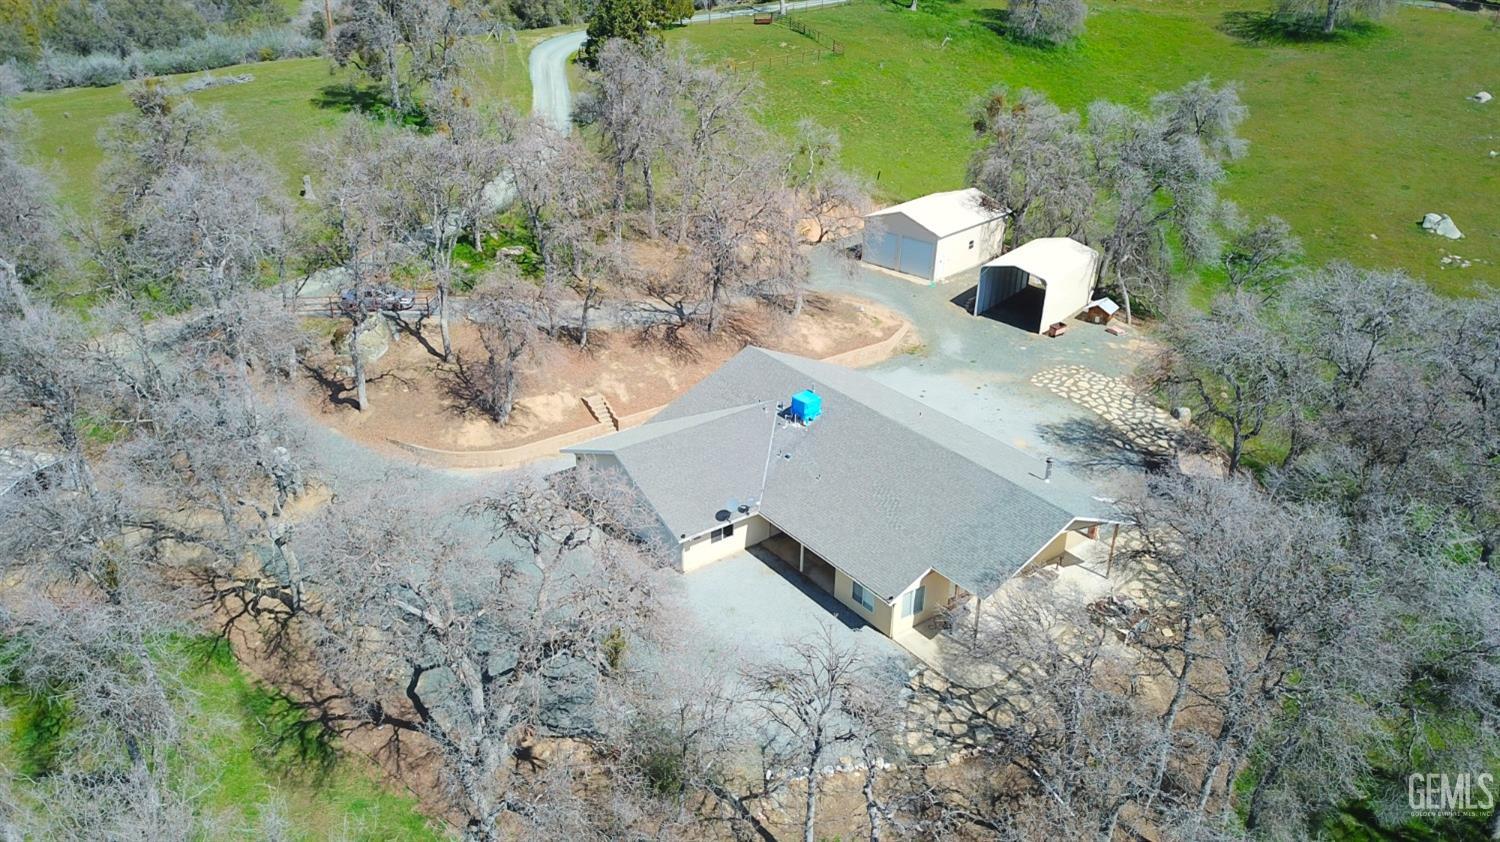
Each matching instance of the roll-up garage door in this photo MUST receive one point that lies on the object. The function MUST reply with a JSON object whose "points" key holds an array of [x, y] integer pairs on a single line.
{"points": [[917, 257], [881, 248]]}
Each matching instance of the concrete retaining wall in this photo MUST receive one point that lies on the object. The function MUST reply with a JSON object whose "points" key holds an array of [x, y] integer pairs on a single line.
{"points": [[543, 448]]}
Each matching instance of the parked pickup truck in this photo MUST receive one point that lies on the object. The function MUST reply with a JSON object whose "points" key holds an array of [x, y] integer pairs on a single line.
{"points": [[374, 299]]}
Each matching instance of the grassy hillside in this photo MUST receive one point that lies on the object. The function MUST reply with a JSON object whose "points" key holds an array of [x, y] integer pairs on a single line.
{"points": [[235, 767], [288, 104], [1348, 139], [276, 115]]}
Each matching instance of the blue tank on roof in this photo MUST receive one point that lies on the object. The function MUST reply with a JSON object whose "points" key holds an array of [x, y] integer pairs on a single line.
{"points": [[806, 406]]}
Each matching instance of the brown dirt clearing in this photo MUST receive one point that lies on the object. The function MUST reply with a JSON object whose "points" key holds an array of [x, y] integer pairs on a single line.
{"points": [[412, 398]]}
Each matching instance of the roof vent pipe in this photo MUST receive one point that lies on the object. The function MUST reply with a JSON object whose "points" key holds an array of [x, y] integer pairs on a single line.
{"points": [[1047, 476]]}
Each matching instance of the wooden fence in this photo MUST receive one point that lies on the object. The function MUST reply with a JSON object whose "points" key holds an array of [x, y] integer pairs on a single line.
{"points": [[333, 307], [800, 27]]}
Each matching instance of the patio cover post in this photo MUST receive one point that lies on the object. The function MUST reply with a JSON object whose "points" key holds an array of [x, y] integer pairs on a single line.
{"points": [[801, 557], [1109, 565], [978, 603]]}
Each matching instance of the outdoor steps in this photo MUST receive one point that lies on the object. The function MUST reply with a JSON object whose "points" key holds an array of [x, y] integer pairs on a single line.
{"points": [[601, 409]]}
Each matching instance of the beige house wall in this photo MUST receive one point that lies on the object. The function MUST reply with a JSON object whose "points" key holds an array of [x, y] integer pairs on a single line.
{"points": [[897, 223], [954, 254], [1071, 538], [843, 591], [703, 550], [939, 591]]}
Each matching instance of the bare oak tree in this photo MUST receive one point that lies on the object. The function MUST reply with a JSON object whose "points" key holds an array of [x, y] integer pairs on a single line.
{"points": [[1047, 21], [503, 312], [1034, 164], [30, 241], [809, 707], [1231, 368], [369, 228], [1262, 255], [482, 648]]}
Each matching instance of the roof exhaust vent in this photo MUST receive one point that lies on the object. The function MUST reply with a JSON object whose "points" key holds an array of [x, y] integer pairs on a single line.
{"points": [[807, 405], [1047, 475]]}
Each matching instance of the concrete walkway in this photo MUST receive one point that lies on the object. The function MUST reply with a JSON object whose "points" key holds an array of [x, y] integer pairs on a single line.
{"points": [[748, 607], [986, 373]]}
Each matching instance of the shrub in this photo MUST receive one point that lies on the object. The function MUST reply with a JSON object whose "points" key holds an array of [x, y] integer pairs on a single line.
{"points": [[216, 51], [64, 70]]}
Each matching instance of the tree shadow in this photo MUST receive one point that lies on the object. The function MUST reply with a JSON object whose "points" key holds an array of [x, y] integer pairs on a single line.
{"points": [[1270, 28], [599, 338], [370, 100], [740, 328], [38, 727], [463, 383], [414, 330], [296, 738], [674, 337], [338, 389], [347, 97], [341, 390], [1093, 443]]}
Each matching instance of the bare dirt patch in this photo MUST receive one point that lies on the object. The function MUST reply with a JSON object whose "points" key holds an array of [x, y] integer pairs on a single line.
{"points": [[412, 398]]}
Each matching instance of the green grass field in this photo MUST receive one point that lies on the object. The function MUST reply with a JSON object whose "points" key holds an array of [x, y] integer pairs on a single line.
{"points": [[233, 770], [277, 115], [1348, 140], [287, 106]]}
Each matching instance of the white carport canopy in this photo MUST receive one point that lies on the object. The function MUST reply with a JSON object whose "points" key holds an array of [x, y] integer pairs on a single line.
{"points": [[1063, 267]]}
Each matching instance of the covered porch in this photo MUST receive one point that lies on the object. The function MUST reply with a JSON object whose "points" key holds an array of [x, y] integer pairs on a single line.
{"points": [[796, 555], [930, 596]]}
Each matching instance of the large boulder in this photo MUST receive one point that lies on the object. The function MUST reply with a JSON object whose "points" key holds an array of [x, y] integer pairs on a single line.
{"points": [[374, 341], [325, 282], [1442, 225]]}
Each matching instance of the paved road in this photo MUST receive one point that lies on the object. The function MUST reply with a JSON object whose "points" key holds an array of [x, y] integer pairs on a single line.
{"points": [[548, 66], [548, 63]]}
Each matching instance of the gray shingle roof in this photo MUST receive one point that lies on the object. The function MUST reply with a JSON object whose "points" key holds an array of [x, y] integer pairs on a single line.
{"points": [[690, 468], [882, 486]]}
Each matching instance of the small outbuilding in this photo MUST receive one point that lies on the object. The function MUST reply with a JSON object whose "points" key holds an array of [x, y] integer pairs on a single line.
{"points": [[1042, 283], [1100, 311], [936, 236]]}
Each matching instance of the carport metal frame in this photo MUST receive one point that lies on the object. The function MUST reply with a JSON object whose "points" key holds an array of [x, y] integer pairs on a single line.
{"points": [[1058, 257]]}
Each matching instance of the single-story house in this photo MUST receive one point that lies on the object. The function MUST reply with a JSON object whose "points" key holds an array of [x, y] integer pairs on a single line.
{"points": [[1051, 279], [893, 507], [935, 236]]}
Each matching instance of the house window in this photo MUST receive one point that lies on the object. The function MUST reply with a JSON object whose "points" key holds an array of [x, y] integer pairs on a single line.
{"points": [[862, 596], [721, 533], [913, 601]]}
